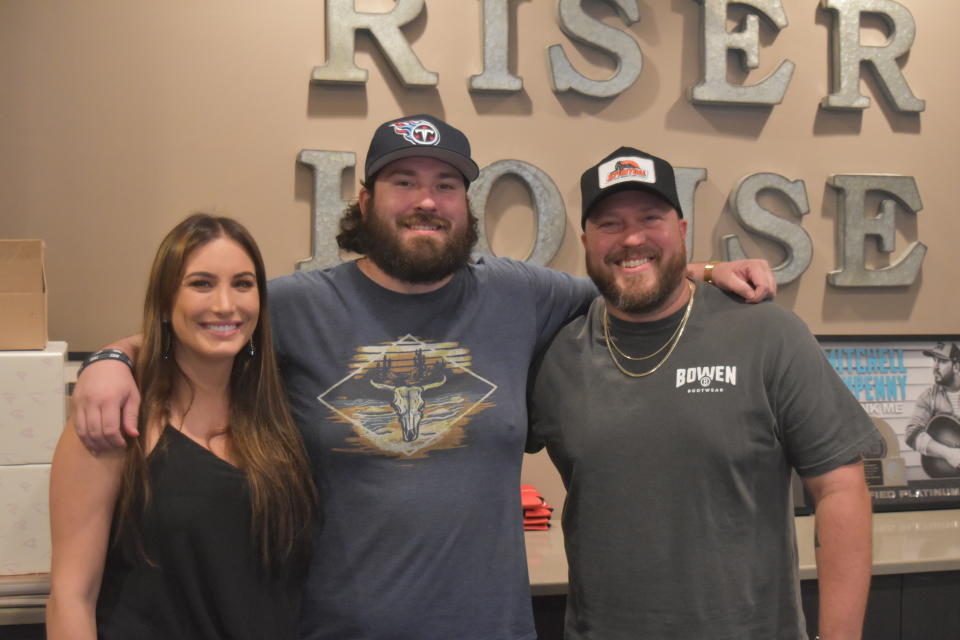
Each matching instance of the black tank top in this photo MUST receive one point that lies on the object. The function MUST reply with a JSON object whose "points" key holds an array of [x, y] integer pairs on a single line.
{"points": [[207, 582]]}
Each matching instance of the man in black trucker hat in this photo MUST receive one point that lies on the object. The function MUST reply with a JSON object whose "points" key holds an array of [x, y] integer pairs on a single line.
{"points": [[674, 413], [406, 371]]}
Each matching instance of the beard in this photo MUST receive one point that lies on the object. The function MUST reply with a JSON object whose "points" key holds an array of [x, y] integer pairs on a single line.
{"points": [[632, 298], [945, 379], [420, 260]]}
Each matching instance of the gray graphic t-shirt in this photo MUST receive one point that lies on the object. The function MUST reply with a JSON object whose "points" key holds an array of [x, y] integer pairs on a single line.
{"points": [[413, 413]]}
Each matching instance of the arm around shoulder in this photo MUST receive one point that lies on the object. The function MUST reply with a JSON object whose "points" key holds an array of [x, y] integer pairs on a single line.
{"points": [[106, 400], [843, 549], [83, 494], [751, 279]]}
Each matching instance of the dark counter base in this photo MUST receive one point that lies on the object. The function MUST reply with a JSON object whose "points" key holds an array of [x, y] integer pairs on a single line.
{"points": [[22, 632], [915, 606], [918, 606]]}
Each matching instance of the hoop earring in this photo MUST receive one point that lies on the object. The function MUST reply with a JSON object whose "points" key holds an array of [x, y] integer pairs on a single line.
{"points": [[166, 340], [252, 348]]}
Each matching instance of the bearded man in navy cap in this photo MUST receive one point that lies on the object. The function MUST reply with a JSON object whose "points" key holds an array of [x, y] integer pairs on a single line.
{"points": [[406, 371], [674, 414]]}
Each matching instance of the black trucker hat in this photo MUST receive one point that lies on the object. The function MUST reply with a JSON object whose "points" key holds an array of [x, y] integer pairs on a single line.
{"points": [[419, 135], [627, 168]]}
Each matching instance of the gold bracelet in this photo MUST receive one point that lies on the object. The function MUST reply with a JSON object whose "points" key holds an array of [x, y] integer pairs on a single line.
{"points": [[708, 271]]}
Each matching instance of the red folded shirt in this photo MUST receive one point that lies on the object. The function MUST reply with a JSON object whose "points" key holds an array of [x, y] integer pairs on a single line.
{"points": [[536, 511], [530, 497]]}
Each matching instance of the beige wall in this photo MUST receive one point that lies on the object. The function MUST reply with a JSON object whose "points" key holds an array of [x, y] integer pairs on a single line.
{"points": [[118, 117]]}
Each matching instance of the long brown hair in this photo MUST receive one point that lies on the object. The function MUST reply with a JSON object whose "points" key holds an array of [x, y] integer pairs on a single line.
{"points": [[263, 439]]}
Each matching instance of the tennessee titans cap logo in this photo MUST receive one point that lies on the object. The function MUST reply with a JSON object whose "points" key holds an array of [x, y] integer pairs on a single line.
{"points": [[417, 131], [419, 135]]}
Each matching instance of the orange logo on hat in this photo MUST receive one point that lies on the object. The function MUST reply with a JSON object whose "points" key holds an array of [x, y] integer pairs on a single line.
{"points": [[625, 168]]}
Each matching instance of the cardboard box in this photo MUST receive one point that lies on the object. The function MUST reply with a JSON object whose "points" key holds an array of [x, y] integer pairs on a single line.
{"points": [[32, 404], [23, 295], [25, 525]]}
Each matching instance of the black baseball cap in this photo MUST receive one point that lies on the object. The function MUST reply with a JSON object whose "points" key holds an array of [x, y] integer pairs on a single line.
{"points": [[421, 135], [627, 168]]}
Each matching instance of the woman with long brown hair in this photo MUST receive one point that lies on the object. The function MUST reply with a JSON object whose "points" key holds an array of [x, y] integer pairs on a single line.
{"points": [[201, 527]]}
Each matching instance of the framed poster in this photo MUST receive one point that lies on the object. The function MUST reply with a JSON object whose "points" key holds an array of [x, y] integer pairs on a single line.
{"points": [[910, 387]]}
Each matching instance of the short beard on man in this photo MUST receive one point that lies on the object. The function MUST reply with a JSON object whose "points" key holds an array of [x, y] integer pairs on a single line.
{"points": [[423, 261], [671, 274], [947, 379]]}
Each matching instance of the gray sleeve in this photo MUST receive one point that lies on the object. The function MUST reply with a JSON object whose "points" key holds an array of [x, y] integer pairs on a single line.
{"points": [[560, 297], [820, 423], [534, 440], [278, 296], [293, 298]]}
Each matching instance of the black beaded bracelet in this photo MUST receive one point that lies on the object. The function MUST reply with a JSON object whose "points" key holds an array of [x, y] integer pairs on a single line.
{"points": [[106, 354]]}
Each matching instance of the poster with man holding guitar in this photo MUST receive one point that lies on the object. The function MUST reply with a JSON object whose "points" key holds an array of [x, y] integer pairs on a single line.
{"points": [[934, 431], [911, 389]]}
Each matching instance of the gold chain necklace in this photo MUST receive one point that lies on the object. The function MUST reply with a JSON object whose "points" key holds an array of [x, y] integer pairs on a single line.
{"points": [[613, 343], [673, 341]]}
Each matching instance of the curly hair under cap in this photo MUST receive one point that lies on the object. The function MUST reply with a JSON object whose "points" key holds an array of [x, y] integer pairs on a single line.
{"points": [[352, 236]]}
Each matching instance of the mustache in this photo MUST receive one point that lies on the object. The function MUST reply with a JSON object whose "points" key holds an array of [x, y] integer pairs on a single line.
{"points": [[425, 219], [628, 254]]}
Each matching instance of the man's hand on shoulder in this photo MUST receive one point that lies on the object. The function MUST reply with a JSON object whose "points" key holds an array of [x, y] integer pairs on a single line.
{"points": [[105, 403], [751, 279]]}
